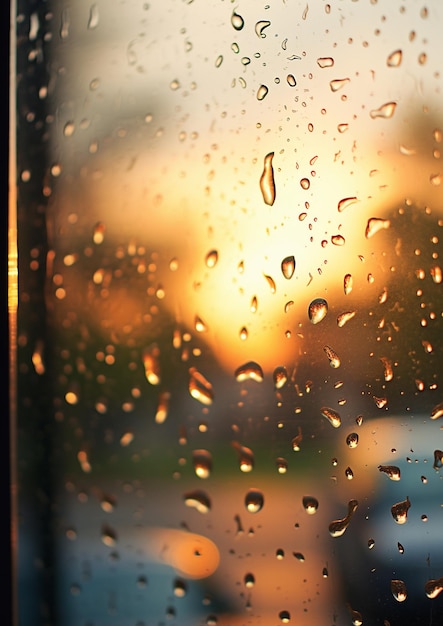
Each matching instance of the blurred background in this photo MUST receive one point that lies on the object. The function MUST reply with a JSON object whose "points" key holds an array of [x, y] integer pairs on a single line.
{"points": [[230, 312]]}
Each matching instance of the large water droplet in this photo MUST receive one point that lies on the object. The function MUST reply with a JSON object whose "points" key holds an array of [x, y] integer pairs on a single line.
{"points": [[334, 359], [211, 258], [394, 59], [267, 183], [437, 411], [317, 310], [291, 80], [338, 240], [262, 92], [338, 527], [374, 225], [438, 459], [398, 589], [198, 500], [202, 462], [245, 457], [249, 580], [288, 267], [325, 62], [199, 387], [151, 363], [388, 371], [352, 440], [399, 511], [282, 465], [249, 371], [386, 111], [93, 17], [332, 416], [305, 183], [285, 617], [280, 377], [271, 283], [254, 501], [343, 318], [237, 21], [347, 284], [338, 83], [260, 28], [179, 588], [345, 203], [434, 587], [391, 470], [310, 504]]}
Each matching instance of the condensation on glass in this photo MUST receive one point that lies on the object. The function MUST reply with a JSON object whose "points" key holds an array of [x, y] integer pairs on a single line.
{"points": [[230, 318]]}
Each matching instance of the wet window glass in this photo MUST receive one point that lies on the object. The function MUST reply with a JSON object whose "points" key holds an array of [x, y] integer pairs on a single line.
{"points": [[226, 339]]}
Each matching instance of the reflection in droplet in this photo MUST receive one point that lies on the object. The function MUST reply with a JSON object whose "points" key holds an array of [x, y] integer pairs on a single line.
{"points": [[199, 387], [98, 234], [198, 500], [400, 548], [398, 589], [343, 318], [267, 183], [288, 267], [202, 462], [291, 80], [254, 501], [434, 587], [211, 258], [305, 183], [338, 83], [249, 580], [262, 92], [394, 59], [280, 377], [249, 371], [285, 616], [399, 511], [254, 304], [317, 310], [345, 203], [237, 21], [334, 359], [325, 62], [310, 504], [386, 111], [374, 225], [352, 440], [371, 543], [260, 28], [332, 416], [179, 587], [243, 333], [390, 470], [338, 527]]}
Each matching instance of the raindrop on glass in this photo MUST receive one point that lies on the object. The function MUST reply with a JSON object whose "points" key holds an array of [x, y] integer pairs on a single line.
{"points": [[317, 310], [267, 183], [310, 504], [288, 267], [399, 511], [386, 111], [254, 501]]}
